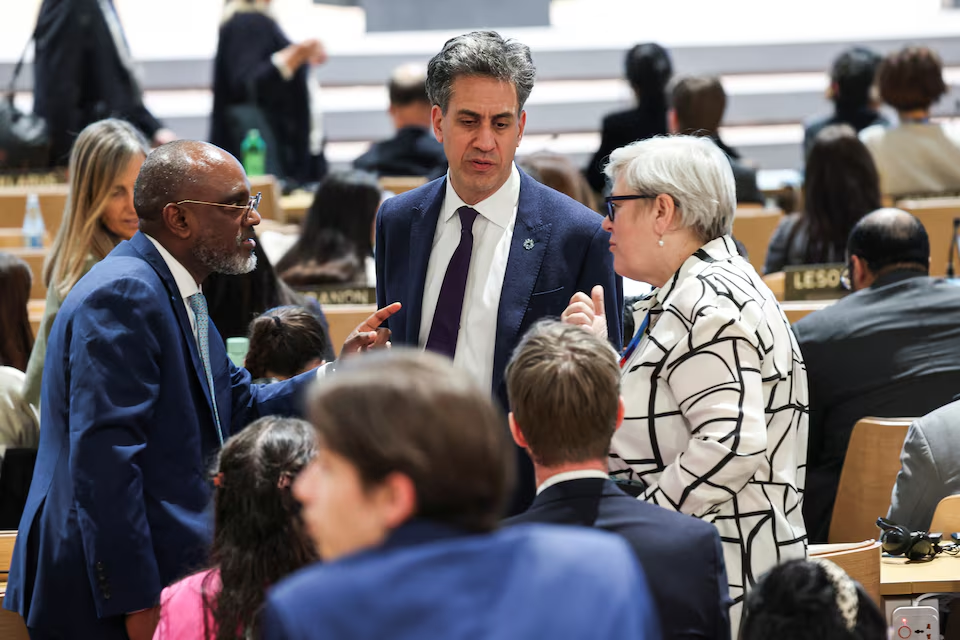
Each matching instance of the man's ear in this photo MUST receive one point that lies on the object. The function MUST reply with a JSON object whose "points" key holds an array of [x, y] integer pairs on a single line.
{"points": [[672, 125], [515, 432], [860, 274], [396, 499], [174, 218], [522, 124], [436, 117], [621, 410]]}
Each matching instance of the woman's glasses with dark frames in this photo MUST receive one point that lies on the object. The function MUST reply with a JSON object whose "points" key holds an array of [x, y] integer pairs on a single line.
{"points": [[609, 200]]}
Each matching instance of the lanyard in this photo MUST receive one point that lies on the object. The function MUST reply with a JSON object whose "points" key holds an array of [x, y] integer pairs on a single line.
{"points": [[637, 336]]}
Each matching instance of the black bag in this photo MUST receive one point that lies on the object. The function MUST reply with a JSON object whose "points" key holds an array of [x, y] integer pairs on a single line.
{"points": [[24, 139]]}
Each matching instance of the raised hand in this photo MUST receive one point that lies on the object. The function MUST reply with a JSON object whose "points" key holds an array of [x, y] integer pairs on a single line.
{"points": [[588, 313]]}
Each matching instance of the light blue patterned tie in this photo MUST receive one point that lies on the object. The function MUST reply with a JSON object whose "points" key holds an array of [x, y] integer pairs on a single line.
{"points": [[199, 305]]}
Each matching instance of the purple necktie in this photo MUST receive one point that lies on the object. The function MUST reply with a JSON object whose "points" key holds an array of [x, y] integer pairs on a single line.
{"points": [[446, 318]]}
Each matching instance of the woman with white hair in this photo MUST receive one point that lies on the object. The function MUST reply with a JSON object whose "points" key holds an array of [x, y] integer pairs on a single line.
{"points": [[713, 381]]}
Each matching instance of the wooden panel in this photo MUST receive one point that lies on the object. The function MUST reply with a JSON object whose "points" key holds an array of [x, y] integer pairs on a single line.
{"points": [[869, 472], [34, 258], [861, 562], [899, 576], [754, 226], [946, 519], [296, 205], [13, 205], [35, 312], [797, 310], [270, 206], [401, 184], [937, 217], [344, 318]]}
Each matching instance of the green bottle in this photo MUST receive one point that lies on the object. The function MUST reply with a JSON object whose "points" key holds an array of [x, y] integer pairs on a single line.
{"points": [[254, 152]]}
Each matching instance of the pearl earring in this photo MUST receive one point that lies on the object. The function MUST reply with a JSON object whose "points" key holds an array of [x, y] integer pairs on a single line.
{"points": [[660, 242]]}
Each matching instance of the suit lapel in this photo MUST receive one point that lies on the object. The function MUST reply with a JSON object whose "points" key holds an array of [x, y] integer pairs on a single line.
{"points": [[531, 235], [422, 230], [145, 248]]}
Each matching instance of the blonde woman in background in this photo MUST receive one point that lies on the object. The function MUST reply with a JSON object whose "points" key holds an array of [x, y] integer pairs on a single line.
{"points": [[104, 164]]}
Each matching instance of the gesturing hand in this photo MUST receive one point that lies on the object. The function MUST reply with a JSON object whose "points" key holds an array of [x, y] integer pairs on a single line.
{"points": [[368, 334], [588, 313]]}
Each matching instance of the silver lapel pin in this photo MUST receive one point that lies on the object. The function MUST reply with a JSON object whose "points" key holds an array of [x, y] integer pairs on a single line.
{"points": [[528, 244]]}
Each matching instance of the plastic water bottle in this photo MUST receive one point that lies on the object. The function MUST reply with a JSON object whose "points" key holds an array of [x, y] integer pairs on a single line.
{"points": [[237, 350], [33, 227], [254, 152]]}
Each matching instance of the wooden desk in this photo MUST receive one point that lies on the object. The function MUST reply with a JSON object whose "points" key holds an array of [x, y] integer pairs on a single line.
{"points": [[797, 309], [344, 318], [901, 581], [296, 205]]}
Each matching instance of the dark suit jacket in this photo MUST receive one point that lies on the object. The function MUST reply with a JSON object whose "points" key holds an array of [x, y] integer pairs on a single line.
{"points": [[243, 73], [620, 129], [413, 151], [429, 580], [680, 554], [118, 504], [570, 253], [859, 119], [744, 177], [892, 350], [79, 77]]}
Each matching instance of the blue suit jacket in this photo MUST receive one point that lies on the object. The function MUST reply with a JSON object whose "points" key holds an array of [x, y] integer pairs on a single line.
{"points": [[431, 581], [681, 554], [570, 253], [118, 504]]}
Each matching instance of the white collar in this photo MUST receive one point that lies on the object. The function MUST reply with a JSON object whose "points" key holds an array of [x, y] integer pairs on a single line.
{"points": [[498, 208], [185, 282], [579, 474]]}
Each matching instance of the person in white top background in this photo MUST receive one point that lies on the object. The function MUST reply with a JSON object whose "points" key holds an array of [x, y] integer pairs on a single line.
{"points": [[715, 389], [477, 256]]}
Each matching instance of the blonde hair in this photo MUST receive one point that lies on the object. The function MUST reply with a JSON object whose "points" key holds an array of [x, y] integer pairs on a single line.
{"points": [[100, 154]]}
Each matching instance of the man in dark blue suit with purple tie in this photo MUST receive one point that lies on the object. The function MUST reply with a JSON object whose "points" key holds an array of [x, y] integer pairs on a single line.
{"points": [[565, 395], [478, 256], [138, 395]]}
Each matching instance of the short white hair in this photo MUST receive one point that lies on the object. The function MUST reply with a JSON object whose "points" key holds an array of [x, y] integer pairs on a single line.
{"points": [[693, 170]]}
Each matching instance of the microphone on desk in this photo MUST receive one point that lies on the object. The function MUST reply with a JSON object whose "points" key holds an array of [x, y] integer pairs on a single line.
{"points": [[953, 247]]}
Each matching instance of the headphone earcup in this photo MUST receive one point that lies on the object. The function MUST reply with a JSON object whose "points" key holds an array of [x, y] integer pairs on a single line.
{"points": [[921, 547], [896, 541]]}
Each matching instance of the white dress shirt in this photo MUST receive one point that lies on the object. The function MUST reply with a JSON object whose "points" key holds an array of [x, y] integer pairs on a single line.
{"points": [[579, 474], [492, 234], [185, 282]]}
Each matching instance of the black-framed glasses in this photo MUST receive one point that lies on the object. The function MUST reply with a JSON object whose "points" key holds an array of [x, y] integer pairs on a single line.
{"points": [[252, 205], [609, 200]]}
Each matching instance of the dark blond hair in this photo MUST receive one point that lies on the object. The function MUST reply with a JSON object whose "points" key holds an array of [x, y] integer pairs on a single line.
{"points": [[564, 389], [99, 156], [413, 413]]}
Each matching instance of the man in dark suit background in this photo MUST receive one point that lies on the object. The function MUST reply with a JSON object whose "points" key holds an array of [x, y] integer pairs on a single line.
{"points": [[413, 151], [138, 395], [697, 107], [564, 385], [83, 72], [890, 349], [478, 256], [403, 501]]}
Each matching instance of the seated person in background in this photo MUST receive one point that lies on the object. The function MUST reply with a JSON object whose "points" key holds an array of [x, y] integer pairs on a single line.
{"points": [[811, 600], [413, 150], [890, 349], [259, 535], [915, 156], [697, 104], [564, 389], [336, 244], [16, 334], [841, 186], [851, 90], [412, 474], [648, 70], [557, 172], [929, 468], [235, 300], [285, 342]]}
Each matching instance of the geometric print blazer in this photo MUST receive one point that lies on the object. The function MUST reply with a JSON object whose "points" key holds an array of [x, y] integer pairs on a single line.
{"points": [[716, 412]]}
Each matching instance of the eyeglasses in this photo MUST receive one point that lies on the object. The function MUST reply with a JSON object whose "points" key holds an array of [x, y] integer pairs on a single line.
{"points": [[609, 200], [845, 280], [252, 205]]}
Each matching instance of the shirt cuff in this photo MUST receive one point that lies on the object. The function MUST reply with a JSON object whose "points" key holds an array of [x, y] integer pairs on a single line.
{"points": [[285, 72]]}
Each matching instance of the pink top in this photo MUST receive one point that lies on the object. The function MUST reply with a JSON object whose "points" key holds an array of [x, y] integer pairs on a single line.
{"points": [[182, 610]]}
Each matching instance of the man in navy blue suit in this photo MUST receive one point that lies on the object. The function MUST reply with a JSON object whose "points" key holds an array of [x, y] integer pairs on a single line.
{"points": [[402, 499], [479, 255], [138, 395], [564, 391]]}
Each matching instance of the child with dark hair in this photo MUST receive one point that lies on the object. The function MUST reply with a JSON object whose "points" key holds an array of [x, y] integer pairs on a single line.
{"points": [[284, 342], [810, 599], [259, 536]]}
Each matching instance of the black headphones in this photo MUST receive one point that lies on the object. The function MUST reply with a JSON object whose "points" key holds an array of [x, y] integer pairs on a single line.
{"points": [[897, 540]]}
